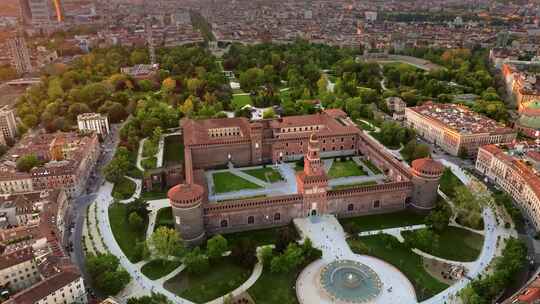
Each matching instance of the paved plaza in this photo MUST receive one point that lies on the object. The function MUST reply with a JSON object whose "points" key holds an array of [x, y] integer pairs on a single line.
{"points": [[327, 234]]}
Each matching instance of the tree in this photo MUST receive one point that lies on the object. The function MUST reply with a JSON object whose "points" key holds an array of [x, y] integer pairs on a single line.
{"points": [[290, 259], [135, 221], [266, 254], [115, 111], [154, 298], [188, 106], [27, 162], [216, 246], [138, 57], [112, 282], [164, 241], [118, 166], [322, 84], [284, 238], [244, 252], [269, 113], [168, 85], [196, 262], [106, 274], [439, 218], [30, 121]]}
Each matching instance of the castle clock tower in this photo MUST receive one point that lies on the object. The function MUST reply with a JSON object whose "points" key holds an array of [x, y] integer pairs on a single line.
{"points": [[313, 182]]}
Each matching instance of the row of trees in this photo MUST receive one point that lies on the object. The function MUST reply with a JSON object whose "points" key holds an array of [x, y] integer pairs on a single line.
{"points": [[106, 274], [486, 289]]}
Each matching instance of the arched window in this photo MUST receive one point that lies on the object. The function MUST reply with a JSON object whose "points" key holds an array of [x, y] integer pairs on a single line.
{"points": [[277, 217], [224, 223], [350, 207], [251, 219]]}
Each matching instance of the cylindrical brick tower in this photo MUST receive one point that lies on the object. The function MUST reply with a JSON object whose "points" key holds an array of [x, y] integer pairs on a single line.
{"points": [[426, 174], [186, 201]]}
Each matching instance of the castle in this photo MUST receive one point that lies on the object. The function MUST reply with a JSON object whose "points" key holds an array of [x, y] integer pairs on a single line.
{"points": [[215, 143]]}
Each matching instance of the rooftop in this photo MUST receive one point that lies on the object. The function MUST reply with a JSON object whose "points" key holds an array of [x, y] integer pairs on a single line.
{"points": [[460, 119], [16, 257], [46, 287]]}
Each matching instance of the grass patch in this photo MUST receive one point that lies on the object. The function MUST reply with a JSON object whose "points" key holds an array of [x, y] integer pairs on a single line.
{"points": [[259, 237], [389, 249], [364, 126], [149, 163], [384, 221], [228, 182], [239, 101], [124, 189], [455, 244], [173, 153], [164, 217], [378, 137], [345, 169], [125, 236], [224, 278], [265, 174], [449, 182], [154, 195], [274, 288], [371, 166], [159, 268], [370, 183]]}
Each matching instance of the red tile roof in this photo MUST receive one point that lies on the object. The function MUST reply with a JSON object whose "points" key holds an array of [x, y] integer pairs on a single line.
{"points": [[16, 257], [46, 287]]}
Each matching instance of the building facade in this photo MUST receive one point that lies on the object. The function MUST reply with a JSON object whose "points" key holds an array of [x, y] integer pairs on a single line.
{"points": [[93, 122], [65, 287], [67, 162], [20, 55], [18, 269], [8, 125], [215, 143], [456, 129], [514, 167]]}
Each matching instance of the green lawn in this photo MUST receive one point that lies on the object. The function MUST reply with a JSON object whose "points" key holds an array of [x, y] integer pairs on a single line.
{"points": [[345, 169], [224, 277], [228, 182], [364, 126], [383, 221], [449, 182], [259, 237], [173, 152], [265, 174], [377, 136], [125, 236], [371, 183], [455, 244], [274, 288], [124, 189], [164, 217], [239, 101], [371, 166], [158, 268], [149, 163], [389, 249], [154, 195]]}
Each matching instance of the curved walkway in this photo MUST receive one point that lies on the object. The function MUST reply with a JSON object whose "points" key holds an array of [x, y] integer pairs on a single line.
{"points": [[137, 193], [141, 285], [494, 236], [327, 234]]}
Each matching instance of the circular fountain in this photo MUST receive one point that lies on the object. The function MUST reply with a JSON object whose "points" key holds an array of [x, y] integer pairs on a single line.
{"points": [[350, 282]]}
